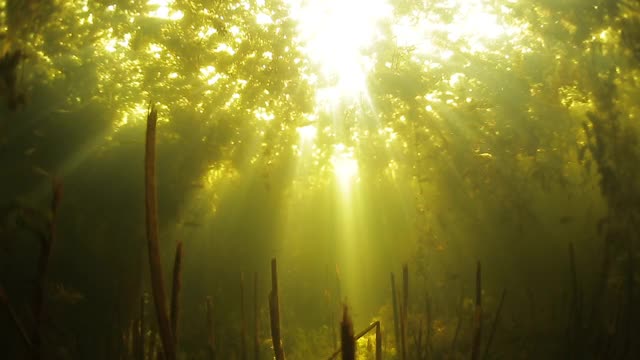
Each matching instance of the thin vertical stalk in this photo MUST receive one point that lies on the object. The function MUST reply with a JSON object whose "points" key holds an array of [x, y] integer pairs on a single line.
{"points": [[348, 341], [175, 293], [155, 264], [394, 303], [378, 341], [274, 307], [372, 326]]}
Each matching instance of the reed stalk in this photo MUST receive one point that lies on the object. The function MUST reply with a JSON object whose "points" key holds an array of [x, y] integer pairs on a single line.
{"points": [[394, 303], [155, 264], [175, 293], [274, 307], [347, 339]]}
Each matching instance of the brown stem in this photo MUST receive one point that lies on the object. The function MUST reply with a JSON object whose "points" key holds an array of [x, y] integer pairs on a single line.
{"points": [[394, 303], [378, 342], [348, 340], [155, 265], [175, 294], [374, 325], [274, 307]]}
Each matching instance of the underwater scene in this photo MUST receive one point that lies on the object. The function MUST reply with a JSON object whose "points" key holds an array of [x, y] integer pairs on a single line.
{"points": [[319, 179]]}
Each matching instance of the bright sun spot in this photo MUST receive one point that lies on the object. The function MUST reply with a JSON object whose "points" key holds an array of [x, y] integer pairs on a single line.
{"points": [[345, 166], [334, 33], [162, 10], [475, 23], [307, 133]]}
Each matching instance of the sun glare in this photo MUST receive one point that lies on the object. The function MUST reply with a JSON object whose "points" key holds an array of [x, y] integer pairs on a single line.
{"points": [[162, 10], [476, 24], [333, 34], [307, 133], [345, 167]]}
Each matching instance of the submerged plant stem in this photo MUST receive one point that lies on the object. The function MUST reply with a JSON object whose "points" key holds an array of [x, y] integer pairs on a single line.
{"points": [[394, 303], [175, 293], [155, 265], [348, 341], [274, 307]]}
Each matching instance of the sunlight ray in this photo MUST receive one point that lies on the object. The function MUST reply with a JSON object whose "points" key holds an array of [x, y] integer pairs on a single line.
{"points": [[345, 167]]}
